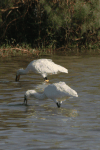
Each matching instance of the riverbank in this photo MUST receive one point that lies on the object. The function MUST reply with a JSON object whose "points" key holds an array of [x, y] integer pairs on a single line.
{"points": [[10, 51]]}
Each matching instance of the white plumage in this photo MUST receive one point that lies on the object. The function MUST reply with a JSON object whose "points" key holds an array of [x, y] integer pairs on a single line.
{"points": [[56, 91], [43, 67]]}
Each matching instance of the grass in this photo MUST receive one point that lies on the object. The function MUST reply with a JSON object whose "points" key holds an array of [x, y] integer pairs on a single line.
{"points": [[25, 49], [11, 51]]}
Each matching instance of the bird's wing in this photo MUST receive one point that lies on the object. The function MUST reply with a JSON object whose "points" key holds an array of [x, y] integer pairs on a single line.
{"points": [[53, 92], [59, 90], [31, 66], [65, 89], [45, 66], [60, 69]]}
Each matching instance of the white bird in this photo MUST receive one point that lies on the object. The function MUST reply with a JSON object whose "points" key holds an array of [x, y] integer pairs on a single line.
{"points": [[43, 67], [58, 92]]}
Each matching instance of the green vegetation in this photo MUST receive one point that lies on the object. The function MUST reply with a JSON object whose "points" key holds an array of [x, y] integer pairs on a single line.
{"points": [[71, 26]]}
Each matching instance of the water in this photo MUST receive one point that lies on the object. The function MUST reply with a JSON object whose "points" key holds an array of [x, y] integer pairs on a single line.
{"points": [[74, 126]]}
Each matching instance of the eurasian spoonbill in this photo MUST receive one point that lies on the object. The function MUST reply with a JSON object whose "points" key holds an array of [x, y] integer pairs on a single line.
{"points": [[43, 67], [58, 92]]}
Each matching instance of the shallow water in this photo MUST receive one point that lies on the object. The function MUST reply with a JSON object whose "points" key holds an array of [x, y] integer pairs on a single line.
{"points": [[74, 126]]}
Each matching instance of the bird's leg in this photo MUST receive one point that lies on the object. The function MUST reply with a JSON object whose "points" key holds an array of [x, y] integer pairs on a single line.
{"points": [[46, 80], [25, 99], [59, 104]]}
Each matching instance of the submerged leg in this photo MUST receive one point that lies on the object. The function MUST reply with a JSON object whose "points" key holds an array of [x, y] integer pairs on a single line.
{"points": [[59, 104], [25, 99]]}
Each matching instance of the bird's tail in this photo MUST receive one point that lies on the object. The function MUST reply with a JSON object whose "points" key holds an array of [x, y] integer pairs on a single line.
{"points": [[63, 69]]}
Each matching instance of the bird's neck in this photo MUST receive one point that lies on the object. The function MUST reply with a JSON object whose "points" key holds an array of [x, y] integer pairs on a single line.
{"points": [[39, 95], [23, 71], [33, 93]]}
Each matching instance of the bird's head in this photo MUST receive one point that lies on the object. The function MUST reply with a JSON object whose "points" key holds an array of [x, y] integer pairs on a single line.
{"points": [[18, 74], [29, 93]]}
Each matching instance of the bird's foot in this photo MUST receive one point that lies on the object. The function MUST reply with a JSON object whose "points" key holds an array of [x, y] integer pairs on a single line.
{"points": [[47, 81]]}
